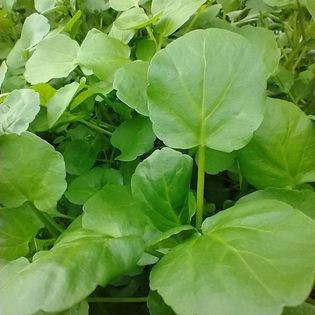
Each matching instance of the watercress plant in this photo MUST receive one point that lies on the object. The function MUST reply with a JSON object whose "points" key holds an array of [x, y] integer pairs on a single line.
{"points": [[157, 157]]}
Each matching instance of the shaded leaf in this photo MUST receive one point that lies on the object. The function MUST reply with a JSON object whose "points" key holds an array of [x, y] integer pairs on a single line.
{"points": [[157, 306], [303, 309]]}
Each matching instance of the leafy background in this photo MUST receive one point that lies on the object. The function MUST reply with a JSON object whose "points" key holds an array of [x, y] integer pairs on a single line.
{"points": [[84, 171]]}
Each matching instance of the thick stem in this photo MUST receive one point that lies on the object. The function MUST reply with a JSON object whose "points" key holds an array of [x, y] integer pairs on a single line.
{"points": [[117, 299], [200, 186]]}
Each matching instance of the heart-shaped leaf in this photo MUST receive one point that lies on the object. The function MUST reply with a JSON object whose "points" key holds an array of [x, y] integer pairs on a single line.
{"points": [[215, 99], [253, 258]]}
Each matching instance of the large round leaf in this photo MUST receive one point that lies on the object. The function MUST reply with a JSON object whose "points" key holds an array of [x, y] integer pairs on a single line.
{"points": [[213, 91], [162, 182], [62, 277], [254, 258], [30, 170], [281, 153]]}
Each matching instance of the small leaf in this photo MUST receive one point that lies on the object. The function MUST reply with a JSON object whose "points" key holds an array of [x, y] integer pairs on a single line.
{"points": [[303, 309], [303, 200], [162, 183], [18, 226], [98, 258], [217, 161], [131, 84], [18, 110], [113, 211], [281, 153], [54, 57], [60, 101], [35, 28], [209, 100], [30, 170], [103, 55], [251, 251], [310, 4], [133, 138], [145, 49], [174, 14], [157, 306], [85, 186], [42, 6], [3, 71]]}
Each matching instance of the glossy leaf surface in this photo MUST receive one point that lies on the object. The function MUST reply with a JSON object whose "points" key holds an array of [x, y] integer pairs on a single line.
{"points": [[281, 153], [251, 259], [162, 182], [216, 100], [30, 170]]}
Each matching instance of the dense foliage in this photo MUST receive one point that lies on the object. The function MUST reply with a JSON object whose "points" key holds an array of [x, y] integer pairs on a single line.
{"points": [[157, 157]]}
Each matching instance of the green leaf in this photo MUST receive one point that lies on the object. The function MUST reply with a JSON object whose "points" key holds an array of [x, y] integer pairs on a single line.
{"points": [[53, 276], [131, 84], [265, 45], [18, 226], [281, 153], [217, 161], [114, 212], [157, 306], [93, 6], [209, 100], [281, 3], [303, 200], [54, 57], [35, 28], [251, 251], [85, 186], [30, 170], [18, 110], [42, 6], [303, 309], [123, 5], [3, 71], [80, 155], [174, 14], [60, 101], [162, 183], [310, 4], [145, 49], [103, 54], [133, 138]]}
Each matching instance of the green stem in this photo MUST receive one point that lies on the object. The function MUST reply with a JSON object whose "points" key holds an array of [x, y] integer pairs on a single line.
{"points": [[94, 127], [200, 186], [154, 252], [53, 228], [117, 299]]}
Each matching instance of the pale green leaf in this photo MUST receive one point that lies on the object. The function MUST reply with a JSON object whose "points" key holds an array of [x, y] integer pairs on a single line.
{"points": [[94, 6], [133, 138], [283, 3], [217, 161], [18, 110], [78, 309], [85, 186], [253, 258], [3, 71], [114, 212], [131, 84], [35, 28], [123, 5], [215, 99], [173, 14], [162, 183], [68, 273], [303, 200], [281, 153], [42, 6], [265, 46], [54, 57], [103, 54], [30, 170], [18, 226], [60, 101]]}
